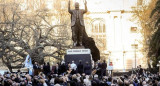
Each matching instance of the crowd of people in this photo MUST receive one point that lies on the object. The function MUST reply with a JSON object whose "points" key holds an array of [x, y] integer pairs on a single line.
{"points": [[70, 74], [63, 68]]}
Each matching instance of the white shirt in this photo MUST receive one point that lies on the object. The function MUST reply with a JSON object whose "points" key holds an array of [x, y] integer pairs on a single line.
{"points": [[73, 66], [87, 82]]}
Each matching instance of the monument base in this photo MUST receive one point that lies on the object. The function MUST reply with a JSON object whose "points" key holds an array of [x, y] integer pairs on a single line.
{"points": [[76, 58], [79, 54]]}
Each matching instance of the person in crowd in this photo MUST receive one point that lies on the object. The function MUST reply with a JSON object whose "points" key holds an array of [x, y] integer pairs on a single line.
{"points": [[80, 67], [69, 71], [36, 68], [74, 81], [68, 65], [95, 66], [73, 67], [57, 69], [115, 83], [63, 67], [53, 68], [137, 70], [99, 64], [48, 70], [103, 70], [99, 69], [140, 72], [87, 80], [41, 68], [109, 82], [96, 81], [110, 69], [45, 67], [87, 69]]}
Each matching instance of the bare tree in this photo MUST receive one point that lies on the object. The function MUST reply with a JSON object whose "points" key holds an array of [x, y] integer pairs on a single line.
{"points": [[24, 32]]}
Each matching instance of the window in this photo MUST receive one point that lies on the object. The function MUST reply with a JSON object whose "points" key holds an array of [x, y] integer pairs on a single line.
{"points": [[134, 46], [99, 33], [98, 26], [134, 29]]}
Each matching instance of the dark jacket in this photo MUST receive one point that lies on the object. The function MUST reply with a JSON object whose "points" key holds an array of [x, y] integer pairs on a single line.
{"points": [[87, 70], [80, 68], [57, 71], [35, 66], [104, 66], [44, 69], [140, 71], [63, 68], [48, 70]]}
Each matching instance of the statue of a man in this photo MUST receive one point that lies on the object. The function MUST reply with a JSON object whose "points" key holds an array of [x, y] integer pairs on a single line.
{"points": [[77, 23]]}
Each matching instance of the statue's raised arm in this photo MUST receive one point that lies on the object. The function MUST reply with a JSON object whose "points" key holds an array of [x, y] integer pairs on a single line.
{"points": [[69, 9]]}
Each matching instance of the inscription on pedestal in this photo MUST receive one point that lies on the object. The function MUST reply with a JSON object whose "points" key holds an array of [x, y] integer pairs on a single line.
{"points": [[78, 51]]}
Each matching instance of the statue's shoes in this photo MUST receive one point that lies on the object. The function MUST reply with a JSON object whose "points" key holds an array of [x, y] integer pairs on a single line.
{"points": [[74, 44]]}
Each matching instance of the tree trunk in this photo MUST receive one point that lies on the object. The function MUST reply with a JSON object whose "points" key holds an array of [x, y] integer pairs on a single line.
{"points": [[10, 68], [148, 62]]}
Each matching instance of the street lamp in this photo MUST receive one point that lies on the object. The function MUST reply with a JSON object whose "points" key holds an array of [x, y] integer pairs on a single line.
{"points": [[123, 60], [135, 47]]}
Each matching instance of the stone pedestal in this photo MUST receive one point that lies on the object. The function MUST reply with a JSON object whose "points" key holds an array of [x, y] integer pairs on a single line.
{"points": [[78, 54]]}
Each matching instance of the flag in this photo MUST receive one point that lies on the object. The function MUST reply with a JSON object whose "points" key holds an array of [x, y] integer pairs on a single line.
{"points": [[28, 64], [110, 65]]}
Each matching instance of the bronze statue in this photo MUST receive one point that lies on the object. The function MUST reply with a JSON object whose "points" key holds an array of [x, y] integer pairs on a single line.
{"points": [[77, 23]]}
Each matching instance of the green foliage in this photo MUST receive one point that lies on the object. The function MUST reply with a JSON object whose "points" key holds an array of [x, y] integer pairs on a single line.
{"points": [[157, 7], [154, 47], [156, 10], [155, 61]]}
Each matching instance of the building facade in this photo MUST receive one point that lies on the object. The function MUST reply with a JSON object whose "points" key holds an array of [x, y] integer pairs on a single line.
{"points": [[117, 36]]}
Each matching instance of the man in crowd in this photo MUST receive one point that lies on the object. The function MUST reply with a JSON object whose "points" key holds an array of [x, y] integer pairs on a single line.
{"points": [[63, 67], [36, 68], [99, 70], [140, 72], [104, 66], [73, 67], [57, 69], [80, 67], [87, 69]]}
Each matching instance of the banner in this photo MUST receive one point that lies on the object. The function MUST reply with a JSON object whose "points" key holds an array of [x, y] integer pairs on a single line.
{"points": [[110, 65], [28, 64]]}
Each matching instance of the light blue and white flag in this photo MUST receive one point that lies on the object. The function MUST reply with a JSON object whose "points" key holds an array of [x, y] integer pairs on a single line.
{"points": [[109, 67], [28, 64]]}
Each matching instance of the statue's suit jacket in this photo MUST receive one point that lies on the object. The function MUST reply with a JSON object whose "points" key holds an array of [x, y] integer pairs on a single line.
{"points": [[74, 15]]}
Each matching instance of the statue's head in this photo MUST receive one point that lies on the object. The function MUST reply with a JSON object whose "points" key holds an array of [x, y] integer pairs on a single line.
{"points": [[77, 6]]}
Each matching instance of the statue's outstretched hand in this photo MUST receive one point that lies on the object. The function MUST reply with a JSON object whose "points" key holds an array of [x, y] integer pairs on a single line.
{"points": [[69, 2], [85, 2]]}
